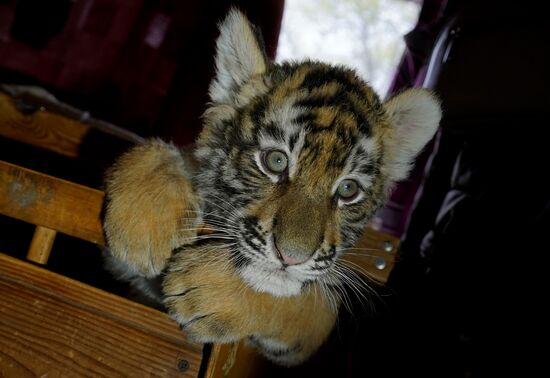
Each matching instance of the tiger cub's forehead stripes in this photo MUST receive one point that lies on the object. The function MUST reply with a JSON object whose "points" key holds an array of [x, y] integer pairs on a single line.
{"points": [[313, 92], [322, 159], [318, 114], [334, 87]]}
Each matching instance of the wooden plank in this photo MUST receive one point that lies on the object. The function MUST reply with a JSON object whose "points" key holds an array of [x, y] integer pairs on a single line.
{"points": [[52, 325], [51, 124], [41, 245], [41, 129], [51, 202]]}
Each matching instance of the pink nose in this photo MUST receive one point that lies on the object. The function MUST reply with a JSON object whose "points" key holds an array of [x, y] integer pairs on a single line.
{"points": [[290, 261], [287, 260]]}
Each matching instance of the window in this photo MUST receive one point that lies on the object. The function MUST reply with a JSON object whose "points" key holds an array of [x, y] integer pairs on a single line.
{"points": [[364, 34]]}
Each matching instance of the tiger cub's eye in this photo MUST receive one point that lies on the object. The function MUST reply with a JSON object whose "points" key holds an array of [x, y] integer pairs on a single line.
{"points": [[275, 161], [348, 189]]}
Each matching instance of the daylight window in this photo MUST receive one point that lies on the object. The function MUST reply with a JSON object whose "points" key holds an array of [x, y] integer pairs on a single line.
{"points": [[364, 34]]}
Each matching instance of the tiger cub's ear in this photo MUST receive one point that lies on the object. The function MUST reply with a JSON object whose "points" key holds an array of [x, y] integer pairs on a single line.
{"points": [[239, 56], [414, 115]]}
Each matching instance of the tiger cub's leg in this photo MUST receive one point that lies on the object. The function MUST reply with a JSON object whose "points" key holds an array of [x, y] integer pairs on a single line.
{"points": [[150, 209]]}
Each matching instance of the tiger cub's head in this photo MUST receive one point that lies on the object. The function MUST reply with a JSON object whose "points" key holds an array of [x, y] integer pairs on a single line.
{"points": [[296, 157]]}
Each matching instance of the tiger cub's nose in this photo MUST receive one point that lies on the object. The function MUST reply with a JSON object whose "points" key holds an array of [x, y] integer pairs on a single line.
{"points": [[286, 259]]}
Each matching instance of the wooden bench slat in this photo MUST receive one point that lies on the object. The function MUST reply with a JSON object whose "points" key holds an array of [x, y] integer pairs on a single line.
{"points": [[50, 202], [55, 126], [41, 129], [53, 324]]}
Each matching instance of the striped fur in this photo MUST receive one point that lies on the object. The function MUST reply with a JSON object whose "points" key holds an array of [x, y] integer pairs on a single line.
{"points": [[331, 125]]}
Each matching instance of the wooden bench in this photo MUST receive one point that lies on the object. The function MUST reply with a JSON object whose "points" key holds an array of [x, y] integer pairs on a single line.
{"points": [[56, 325], [51, 324]]}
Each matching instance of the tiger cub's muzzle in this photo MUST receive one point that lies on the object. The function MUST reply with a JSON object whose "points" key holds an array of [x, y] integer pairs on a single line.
{"points": [[300, 226]]}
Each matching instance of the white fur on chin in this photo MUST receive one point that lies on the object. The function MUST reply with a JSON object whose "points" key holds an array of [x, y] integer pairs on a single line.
{"points": [[275, 282]]}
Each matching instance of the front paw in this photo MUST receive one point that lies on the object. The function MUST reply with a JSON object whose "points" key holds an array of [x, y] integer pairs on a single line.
{"points": [[150, 208], [196, 305]]}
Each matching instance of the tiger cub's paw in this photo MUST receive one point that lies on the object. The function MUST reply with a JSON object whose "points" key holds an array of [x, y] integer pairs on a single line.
{"points": [[150, 208], [199, 294], [194, 313]]}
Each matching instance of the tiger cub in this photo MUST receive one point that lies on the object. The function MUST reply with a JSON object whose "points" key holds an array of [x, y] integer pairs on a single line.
{"points": [[292, 162]]}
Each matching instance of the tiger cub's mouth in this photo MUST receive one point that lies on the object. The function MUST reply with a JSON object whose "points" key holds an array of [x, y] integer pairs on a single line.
{"points": [[264, 267]]}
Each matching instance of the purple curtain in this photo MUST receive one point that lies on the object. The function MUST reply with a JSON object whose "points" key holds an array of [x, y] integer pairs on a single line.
{"points": [[411, 72]]}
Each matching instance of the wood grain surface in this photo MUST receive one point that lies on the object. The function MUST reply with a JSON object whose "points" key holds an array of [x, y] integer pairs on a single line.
{"points": [[53, 326], [41, 245], [41, 129], [51, 202]]}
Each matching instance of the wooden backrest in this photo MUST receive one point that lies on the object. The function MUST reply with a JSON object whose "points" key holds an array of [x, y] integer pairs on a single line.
{"points": [[93, 331], [53, 205]]}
